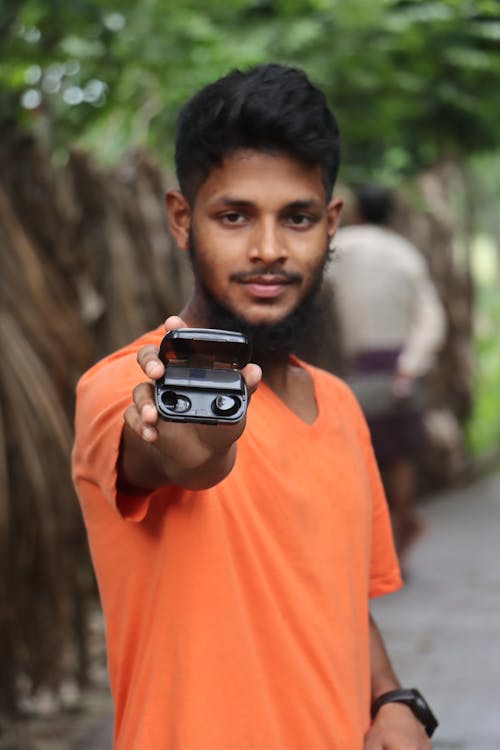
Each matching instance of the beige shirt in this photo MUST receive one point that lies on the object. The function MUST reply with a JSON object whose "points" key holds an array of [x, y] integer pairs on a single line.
{"points": [[385, 297]]}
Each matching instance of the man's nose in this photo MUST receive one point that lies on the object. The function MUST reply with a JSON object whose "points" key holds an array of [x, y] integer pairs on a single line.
{"points": [[267, 243]]}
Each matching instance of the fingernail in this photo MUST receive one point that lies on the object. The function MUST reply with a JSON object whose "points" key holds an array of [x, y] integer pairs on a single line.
{"points": [[150, 368], [148, 411], [148, 433]]}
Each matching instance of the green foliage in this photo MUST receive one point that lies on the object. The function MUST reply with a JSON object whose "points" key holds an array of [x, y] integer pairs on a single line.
{"points": [[424, 74], [484, 427]]}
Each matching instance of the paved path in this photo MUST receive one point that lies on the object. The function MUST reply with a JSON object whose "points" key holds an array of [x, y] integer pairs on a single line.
{"points": [[443, 629]]}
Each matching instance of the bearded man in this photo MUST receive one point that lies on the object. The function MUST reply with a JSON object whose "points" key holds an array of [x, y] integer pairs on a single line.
{"points": [[235, 562]]}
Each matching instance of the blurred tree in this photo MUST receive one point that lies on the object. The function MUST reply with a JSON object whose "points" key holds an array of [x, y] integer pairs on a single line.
{"points": [[424, 73]]}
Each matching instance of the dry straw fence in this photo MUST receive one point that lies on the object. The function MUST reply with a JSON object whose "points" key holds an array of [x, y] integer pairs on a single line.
{"points": [[87, 264]]}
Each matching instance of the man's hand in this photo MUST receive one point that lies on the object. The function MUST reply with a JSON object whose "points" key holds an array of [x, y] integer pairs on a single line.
{"points": [[193, 456], [396, 728], [403, 385]]}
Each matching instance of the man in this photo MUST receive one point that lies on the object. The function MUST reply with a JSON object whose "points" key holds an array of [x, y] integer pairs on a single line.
{"points": [[235, 563], [392, 324]]}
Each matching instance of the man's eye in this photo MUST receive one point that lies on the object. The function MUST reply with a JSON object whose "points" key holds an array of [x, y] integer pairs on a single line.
{"points": [[233, 217], [301, 220]]}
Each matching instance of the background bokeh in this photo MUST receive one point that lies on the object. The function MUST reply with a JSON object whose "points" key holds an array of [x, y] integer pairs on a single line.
{"points": [[89, 94]]}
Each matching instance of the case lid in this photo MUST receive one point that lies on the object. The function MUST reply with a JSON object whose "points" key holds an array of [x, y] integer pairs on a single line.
{"points": [[209, 348]]}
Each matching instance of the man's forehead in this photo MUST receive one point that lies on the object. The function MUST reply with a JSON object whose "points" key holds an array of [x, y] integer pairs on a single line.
{"points": [[249, 176], [249, 159]]}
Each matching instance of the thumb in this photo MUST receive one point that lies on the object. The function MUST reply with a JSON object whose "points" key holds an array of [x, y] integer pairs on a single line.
{"points": [[173, 322]]}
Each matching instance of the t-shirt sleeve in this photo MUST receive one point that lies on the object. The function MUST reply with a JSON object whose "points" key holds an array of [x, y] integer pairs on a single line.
{"points": [[102, 396], [384, 574]]}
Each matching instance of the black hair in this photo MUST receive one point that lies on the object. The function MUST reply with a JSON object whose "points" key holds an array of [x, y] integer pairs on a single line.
{"points": [[375, 203], [271, 108]]}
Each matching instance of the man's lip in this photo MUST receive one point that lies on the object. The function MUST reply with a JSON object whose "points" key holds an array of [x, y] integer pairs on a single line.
{"points": [[265, 287], [266, 280]]}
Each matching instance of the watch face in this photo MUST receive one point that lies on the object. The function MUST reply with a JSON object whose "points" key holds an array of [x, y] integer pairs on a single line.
{"points": [[422, 711], [420, 701]]}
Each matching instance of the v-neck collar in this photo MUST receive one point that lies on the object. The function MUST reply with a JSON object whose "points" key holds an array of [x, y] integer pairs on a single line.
{"points": [[291, 415]]}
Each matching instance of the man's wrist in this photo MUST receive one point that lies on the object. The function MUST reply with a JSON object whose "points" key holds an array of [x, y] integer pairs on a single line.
{"points": [[411, 698], [215, 467]]}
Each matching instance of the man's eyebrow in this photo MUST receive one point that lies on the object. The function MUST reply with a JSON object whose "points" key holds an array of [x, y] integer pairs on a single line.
{"points": [[303, 205], [229, 200], [298, 205]]}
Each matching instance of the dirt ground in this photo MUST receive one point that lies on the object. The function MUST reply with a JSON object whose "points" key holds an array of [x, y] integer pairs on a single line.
{"points": [[76, 720], [87, 726]]}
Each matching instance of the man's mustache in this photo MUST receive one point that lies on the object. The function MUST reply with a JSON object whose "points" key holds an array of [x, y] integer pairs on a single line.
{"points": [[278, 275]]}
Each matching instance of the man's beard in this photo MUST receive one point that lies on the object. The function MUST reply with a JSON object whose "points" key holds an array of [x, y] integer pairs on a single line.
{"points": [[271, 342]]}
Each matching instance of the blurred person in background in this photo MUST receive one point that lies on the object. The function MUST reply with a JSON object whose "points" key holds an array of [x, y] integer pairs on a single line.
{"points": [[391, 324]]}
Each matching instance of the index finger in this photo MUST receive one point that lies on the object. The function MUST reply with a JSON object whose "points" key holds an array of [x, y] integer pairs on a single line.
{"points": [[147, 357], [253, 375], [151, 364]]}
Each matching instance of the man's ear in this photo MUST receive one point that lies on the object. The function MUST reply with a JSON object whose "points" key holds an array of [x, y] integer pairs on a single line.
{"points": [[334, 211], [178, 217]]}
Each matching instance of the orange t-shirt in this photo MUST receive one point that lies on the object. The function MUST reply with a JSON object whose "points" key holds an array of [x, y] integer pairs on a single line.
{"points": [[237, 617]]}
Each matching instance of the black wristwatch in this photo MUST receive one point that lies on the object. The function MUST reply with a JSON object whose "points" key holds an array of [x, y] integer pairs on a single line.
{"points": [[414, 700]]}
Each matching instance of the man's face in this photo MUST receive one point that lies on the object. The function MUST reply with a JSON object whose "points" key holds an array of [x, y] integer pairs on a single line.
{"points": [[258, 236]]}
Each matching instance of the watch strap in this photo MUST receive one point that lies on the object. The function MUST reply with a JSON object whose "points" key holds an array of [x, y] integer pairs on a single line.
{"points": [[415, 701]]}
